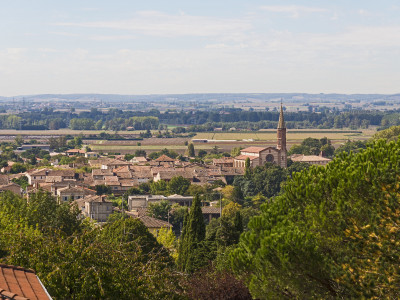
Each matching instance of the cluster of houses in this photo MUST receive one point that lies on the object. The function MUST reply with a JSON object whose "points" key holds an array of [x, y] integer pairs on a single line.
{"points": [[119, 175]]}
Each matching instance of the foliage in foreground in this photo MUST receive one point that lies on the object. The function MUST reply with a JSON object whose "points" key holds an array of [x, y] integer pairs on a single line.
{"points": [[334, 233], [81, 260]]}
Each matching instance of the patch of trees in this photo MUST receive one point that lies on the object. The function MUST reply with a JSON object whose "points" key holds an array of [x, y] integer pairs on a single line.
{"points": [[312, 146], [117, 119], [333, 233]]}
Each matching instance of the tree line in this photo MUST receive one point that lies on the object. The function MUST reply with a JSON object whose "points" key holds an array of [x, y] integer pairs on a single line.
{"points": [[193, 121]]}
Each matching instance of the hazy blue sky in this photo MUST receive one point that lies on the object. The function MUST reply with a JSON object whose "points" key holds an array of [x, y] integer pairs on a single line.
{"points": [[148, 47]]}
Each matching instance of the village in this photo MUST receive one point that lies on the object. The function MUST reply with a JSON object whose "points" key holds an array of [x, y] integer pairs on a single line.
{"points": [[92, 179]]}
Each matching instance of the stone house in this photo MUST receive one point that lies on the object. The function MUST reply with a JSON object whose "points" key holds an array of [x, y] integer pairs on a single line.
{"points": [[71, 193]]}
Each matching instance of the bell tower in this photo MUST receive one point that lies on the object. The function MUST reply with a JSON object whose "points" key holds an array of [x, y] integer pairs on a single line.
{"points": [[281, 145]]}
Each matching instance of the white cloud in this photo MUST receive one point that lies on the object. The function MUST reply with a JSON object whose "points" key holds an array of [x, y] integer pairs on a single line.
{"points": [[112, 37], [155, 23], [294, 10]]}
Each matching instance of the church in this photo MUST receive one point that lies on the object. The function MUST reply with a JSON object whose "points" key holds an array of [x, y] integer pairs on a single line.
{"points": [[259, 155]]}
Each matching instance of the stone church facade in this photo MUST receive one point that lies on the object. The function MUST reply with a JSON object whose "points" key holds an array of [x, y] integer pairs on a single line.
{"points": [[260, 155]]}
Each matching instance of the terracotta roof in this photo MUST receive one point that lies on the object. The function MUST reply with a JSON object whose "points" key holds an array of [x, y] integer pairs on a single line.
{"points": [[40, 172], [76, 151], [20, 284], [102, 172], [117, 162], [77, 189], [244, 157], [140, 159], [151, 222], [95, 198], [224, 160], [128, 182], [164, 158], [122, 169], [69, 173], [175, 173], [3, 179], [124, 175], [253, 149], [210, 210]]}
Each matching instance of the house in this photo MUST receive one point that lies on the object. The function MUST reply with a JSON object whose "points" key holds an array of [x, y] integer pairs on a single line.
{"points": [[139, 160], [165, 160], [91, 155], [210, 212], [13, 187], [101, 174], [142, 201], [71, 193], [311, 159], [21, 284], [78, 152], [38, 176], [258, 156], [115, 163], [97, 208], [168, 174], [181, 200], [223, 162], [4, 179], [152, 224]]}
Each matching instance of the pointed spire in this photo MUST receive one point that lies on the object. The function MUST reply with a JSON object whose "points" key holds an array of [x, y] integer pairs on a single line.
{"points": [[281, 123]]}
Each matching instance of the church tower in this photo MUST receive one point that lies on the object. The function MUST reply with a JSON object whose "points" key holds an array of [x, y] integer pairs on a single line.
{"points": [[281, 146]]}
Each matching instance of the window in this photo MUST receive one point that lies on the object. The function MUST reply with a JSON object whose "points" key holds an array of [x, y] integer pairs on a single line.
{"points": [[269, 158], [65, 198]]}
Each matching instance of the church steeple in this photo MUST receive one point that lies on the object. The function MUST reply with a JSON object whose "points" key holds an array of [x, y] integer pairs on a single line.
{"points": [[281, 145], [281, 123]]}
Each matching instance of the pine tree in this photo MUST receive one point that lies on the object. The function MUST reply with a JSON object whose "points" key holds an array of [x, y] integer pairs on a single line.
{"points": [[194, 232]]}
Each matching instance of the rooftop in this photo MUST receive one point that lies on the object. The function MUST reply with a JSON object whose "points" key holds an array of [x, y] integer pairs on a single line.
{"points": [[253, 149], [20, 284], [165, 158]]}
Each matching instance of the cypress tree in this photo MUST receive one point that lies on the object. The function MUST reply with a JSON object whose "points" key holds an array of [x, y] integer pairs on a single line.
{"points": [[247, 168], [194, 232], [191, 152]]}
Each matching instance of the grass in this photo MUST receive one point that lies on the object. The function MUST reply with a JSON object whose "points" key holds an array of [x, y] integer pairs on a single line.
{"points": [[291, 135], [64, 132], [98, 147]]}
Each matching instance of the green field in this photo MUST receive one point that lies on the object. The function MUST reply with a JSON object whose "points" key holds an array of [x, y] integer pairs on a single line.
{"points": [[64, 132], [261, 139], [294, 135]]}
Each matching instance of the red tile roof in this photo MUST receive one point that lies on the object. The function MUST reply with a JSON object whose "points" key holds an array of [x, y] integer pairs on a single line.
{"points": [[164, 158], [244, 157], [253, 149], [20, 284]]}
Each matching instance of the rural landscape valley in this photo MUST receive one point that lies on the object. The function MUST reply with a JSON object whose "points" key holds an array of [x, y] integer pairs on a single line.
{"points": [[199, 150]]}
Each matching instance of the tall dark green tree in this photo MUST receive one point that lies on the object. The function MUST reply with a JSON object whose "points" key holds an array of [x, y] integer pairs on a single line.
{"points": [[194, 232], [191, 150]]}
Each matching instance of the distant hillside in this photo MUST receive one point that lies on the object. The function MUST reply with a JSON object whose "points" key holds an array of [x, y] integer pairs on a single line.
{"points": [[293, 97]]}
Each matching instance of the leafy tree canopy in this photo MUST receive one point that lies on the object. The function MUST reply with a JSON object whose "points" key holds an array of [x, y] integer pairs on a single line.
{"points": [[332, 234]]}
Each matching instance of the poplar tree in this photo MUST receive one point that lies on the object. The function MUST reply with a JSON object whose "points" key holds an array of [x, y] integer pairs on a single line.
{"points": [[193, 234]]}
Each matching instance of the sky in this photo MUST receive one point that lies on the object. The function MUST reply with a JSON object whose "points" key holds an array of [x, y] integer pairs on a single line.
{"points": [[208, 46]]}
